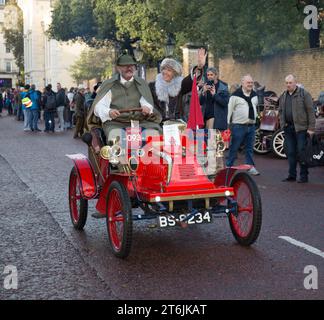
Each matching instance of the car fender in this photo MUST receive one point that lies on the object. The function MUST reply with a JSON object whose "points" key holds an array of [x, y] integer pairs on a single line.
{"points": [[102, 201], [224, 177], [86, 175]]}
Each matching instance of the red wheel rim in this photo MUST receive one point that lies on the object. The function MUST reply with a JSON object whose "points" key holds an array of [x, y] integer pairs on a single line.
{"points": [[242, 224], [115, 219], [75, 198]]}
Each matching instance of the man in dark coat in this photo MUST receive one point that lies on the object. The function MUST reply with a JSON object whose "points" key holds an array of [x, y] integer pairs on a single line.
{"points": [[297, 118], [214, 101], [49, 103]]}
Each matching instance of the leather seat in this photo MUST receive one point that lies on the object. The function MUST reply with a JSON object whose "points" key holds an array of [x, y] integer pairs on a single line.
{"points": [[98, 138]]}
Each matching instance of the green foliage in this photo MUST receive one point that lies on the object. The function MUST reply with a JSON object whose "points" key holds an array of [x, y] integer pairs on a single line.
{"points": [[93, 63], [252, 28], [246, 29], [14, 38], [141, 23], [105, 19], [61, 27]]}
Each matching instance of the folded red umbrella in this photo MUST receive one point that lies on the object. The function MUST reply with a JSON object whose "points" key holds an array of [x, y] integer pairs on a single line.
{"points": [[196, 119]]}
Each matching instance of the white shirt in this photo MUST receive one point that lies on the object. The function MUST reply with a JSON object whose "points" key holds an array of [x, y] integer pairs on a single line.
{"points": [[102, 108], [238, 110]]}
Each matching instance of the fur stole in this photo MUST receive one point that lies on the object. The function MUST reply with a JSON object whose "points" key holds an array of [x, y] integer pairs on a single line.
{"points": [[164, 89]]}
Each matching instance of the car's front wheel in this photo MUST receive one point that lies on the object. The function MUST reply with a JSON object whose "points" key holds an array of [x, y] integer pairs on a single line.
{"points": [[119, 220], [246, 223]]}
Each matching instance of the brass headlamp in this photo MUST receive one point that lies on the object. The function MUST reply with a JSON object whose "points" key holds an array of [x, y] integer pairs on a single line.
{"points": [[112, 153]]}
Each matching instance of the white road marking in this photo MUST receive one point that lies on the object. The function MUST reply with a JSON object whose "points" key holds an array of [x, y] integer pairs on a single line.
{"points": [[304, 246]]}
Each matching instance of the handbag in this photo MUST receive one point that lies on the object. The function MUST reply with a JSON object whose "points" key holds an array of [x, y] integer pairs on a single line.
{"points": [[313, 156]]}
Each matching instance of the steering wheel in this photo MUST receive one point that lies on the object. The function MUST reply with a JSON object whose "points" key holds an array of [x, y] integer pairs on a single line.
{"points": [[130, 110]]}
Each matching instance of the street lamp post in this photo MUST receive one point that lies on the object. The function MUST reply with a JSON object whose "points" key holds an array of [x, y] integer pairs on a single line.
{"points": [[169, 46], [168, 49], [138, 54]]}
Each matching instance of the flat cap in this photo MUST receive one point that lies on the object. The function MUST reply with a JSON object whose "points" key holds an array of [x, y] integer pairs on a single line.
{"points": [[125, 60]]}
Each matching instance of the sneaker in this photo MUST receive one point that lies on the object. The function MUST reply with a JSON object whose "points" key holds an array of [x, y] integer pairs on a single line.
{"points": [[254, 172]]}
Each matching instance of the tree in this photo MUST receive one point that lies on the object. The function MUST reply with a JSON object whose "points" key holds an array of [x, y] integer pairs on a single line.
{"points": [[313, 33], [93, 63], [13, 33], [246, 29], [253, 28]]}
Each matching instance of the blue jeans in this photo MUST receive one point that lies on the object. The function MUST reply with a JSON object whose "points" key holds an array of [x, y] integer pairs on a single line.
{"points": [[295, 143], [241, 134], [26, 118], [49, 121], [33, 119]]}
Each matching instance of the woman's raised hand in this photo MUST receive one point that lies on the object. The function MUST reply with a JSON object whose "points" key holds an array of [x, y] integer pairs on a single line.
{"points": [[202, 55]]}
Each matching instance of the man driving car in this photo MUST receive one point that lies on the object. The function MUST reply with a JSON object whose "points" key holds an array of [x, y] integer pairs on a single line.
{"points": [[122, 92]]}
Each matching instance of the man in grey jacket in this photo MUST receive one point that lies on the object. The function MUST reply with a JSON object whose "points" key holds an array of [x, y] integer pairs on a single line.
{"points": [[297, 118]]}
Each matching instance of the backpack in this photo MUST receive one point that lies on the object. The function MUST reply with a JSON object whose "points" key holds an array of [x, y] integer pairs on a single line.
{"points": [[26, 101], [50, 102]]}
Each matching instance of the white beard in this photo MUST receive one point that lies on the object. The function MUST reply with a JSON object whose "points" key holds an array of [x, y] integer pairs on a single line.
{"points": [[165, 89]]}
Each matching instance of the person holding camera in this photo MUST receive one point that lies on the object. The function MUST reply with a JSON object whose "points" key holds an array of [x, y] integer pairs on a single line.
{"points": [[214, 101]]}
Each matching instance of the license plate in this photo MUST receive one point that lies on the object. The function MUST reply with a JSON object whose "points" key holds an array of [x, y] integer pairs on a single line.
{"points": [[199, 218]]}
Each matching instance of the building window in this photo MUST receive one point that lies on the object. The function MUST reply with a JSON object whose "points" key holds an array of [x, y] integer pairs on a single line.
{"points": [[2, 2], [7, 47], [8, 66]]}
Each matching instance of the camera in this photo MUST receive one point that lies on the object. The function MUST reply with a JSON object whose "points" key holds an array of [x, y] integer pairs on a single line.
{"points": [[210, 83]]}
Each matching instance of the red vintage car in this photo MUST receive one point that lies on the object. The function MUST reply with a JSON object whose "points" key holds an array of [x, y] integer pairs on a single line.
{"points": [[171, 185]]}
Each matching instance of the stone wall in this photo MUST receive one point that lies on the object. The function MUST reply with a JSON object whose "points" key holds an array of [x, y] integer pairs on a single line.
{"points": [[307, 65]]}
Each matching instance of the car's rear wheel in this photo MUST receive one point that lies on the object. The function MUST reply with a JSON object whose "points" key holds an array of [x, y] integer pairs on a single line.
{"points": [[246, 224], [119, 220], [259, 146], [78, 205], [278, 144]]}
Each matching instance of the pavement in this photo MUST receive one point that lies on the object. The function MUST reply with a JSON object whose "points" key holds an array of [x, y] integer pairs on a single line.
{"points": [[54, 261]]}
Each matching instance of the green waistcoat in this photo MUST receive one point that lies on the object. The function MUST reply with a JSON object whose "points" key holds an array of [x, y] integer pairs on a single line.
{"points": [[125, 98]]}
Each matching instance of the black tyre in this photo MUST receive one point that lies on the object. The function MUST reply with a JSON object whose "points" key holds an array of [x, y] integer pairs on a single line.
{"points": [[119, 220], [247, 225], [278, 144], [78, 205]]}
